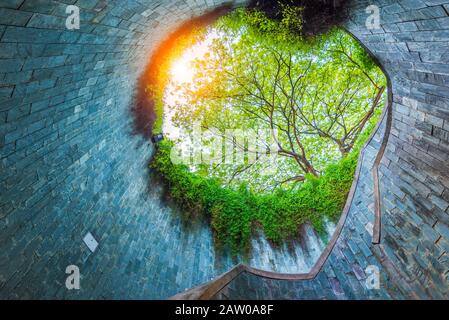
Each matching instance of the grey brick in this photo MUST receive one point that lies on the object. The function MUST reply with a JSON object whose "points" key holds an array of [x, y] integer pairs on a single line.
{"points": [[412, 4], [39, 20], [393, 8], [12, 4], [440, 203], [11, 65], [14, 17], [407, 26], [19, 34], [40, 6], [18, 112], [442, 229]]}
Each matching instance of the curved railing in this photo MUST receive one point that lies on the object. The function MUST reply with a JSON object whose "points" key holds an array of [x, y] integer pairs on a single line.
{"points": [[210, 289]]}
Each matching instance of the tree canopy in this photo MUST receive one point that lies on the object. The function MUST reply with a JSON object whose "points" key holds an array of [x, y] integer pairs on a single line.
{"points": [[270, 126], [312, 97]]}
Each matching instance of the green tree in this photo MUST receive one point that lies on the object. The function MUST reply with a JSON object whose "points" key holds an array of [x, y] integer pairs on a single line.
{"points": [[302, 109], [315, 97]]}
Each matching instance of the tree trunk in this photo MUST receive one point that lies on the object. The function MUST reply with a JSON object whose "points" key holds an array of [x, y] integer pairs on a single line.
{"points": [[344, 150], [310, 169]]}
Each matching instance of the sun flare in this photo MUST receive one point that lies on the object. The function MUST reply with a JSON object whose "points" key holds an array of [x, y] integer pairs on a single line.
{"points": [[182, 71]]}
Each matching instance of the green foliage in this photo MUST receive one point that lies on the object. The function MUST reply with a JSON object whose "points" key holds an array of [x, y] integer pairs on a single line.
{"points": [[235, 213], [317, 94], [157, 98], [287, 28], [231, 211], [321, 95]]}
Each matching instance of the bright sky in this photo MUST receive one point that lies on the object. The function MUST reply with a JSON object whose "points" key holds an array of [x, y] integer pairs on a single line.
{"points": [[182, 71]]}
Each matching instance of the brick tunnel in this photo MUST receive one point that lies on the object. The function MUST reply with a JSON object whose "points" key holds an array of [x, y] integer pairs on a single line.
{"points": [[72, 163]]}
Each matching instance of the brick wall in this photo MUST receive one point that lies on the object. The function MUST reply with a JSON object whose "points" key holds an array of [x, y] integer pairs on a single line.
{"points": [[413, 255], [70, 162]]}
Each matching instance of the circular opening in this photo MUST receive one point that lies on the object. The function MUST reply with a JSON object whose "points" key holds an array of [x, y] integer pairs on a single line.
{"points": [[263, 128]]}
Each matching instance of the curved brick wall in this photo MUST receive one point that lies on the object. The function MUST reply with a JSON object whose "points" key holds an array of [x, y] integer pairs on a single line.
{"points": [[71, 162], [413, 254]]}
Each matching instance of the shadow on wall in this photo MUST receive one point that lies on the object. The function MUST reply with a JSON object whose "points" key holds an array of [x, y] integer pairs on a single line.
{"points": [[143, 111]]}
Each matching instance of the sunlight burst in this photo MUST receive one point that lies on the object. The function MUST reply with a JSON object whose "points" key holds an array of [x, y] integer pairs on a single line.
{"points": [[182, 71]]}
